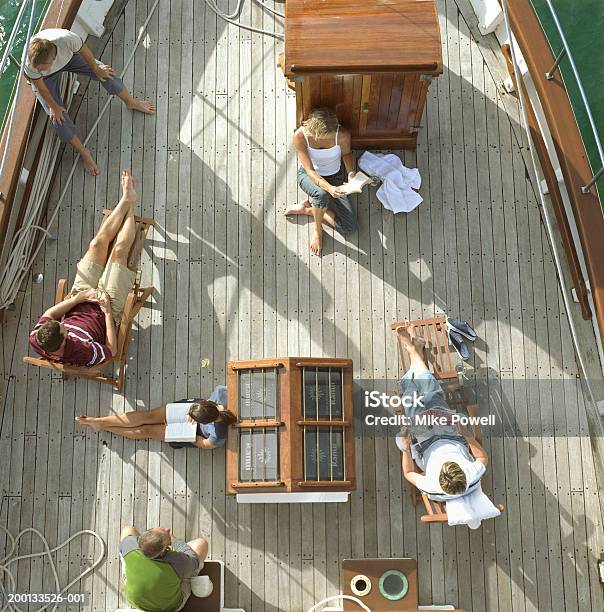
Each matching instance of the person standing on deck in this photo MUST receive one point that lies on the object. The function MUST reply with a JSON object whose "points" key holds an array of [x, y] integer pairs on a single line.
{"points": [[157, 568], [82, 329], [326, 163], [54, 51]]}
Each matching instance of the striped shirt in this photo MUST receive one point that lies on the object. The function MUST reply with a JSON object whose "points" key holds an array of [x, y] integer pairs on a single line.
{"points": [[86, 332]]}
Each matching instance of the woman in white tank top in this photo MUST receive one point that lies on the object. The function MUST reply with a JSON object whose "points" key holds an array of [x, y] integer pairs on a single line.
{"points": [[326, 163]]}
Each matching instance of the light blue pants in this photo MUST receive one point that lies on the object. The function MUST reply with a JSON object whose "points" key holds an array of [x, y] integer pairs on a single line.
{"points": [[78, 65]]}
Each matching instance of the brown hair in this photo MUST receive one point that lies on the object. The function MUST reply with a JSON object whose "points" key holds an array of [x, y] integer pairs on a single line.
{"points": [[153, 543], [321, 122], [41, 51], [452, 478], [49, 336], [206, 411]]}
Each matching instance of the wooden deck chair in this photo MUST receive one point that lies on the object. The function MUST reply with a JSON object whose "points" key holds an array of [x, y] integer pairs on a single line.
{"points": [[134, 302]]}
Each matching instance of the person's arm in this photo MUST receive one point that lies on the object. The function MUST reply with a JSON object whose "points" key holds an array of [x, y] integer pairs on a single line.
{"points": [[315, 177], [58, 310], [347, 156], [55, 110], [476, 449], [102, 71], [408, 464], [110, 326], [201, 442]]}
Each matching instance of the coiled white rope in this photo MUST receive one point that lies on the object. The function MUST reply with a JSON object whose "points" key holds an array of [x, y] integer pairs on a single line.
{"points": [[9, 560], [231, 18]]}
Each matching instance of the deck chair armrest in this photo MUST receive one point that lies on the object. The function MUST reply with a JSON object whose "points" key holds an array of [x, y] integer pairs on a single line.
{"points": [[61, 291]]}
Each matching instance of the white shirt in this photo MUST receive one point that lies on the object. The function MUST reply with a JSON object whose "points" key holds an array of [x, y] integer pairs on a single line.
{"points": [[66, 42], [440, 452], [326, 162]]}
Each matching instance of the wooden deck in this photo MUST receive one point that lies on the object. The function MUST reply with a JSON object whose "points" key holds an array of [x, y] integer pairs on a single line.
{"points": [[236, 280]]}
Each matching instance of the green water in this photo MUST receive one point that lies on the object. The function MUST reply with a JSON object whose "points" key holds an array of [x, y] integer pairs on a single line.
{"points": [[582, 22], [8, 16]]}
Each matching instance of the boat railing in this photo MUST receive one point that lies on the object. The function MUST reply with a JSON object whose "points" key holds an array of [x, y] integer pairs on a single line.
{"points": [[566, 52]]}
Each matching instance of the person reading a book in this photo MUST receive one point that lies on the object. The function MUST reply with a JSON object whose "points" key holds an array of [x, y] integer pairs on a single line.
{"points": [[157, 568], [452, 460], [82, 329], [326, 164], [193, 422], [54, 51]]}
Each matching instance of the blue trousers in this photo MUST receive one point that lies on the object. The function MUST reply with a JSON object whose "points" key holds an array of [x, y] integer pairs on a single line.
{"points": [[344, 215], [78, 65]]}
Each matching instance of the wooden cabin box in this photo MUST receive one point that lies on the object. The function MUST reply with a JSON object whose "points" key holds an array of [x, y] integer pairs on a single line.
{"points": [[294, 430], [370, 60]]}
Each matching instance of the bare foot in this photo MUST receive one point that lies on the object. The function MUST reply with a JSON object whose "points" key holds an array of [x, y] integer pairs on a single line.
{"points": [[86, 421], [299, 209], [143, 106], [128, 187], [316, 245], [89, 163], [406, 339]]}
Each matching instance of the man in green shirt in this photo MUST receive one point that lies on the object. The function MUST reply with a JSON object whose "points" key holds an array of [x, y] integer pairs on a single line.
{"points": [[157, 568]]}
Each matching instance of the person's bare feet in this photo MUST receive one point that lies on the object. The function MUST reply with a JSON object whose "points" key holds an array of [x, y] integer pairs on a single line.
{"points": [[129, 187], [316, 245], [86, 421], [142, 106], [406, 339], [299, 209], [418, 341], [89, 163]]}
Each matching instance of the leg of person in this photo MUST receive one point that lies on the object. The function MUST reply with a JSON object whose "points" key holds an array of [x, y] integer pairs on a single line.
{"points": [[66, 131], [414, 346], [145, 432], [344, 217], [98, 250], [113, 85], [128, 420], [117, 279]]}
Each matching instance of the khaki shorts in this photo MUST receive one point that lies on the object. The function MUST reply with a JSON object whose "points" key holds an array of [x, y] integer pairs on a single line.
{"points": [[114, 279]]}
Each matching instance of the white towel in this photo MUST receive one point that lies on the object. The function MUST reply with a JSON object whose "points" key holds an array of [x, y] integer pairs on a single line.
{"points": [[471, 509], [398, 182]]}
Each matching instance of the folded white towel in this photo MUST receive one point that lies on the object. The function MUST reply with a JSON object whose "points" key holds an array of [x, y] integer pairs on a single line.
{"points": [[471, 509], [398, 182]]}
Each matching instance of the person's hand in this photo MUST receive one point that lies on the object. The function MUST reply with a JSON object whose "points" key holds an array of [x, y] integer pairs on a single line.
{"points": [[335, 192], [352, 174], [105, 303], [88, 296], [104, 72], [55, 113], [465, 431]]}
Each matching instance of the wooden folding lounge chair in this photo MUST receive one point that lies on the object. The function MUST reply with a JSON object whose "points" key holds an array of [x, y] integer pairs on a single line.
{"points": [[134, 302], [437, 354]]}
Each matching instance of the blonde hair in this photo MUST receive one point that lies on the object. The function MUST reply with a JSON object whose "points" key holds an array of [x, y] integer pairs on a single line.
{"points": [[321, 122], [452, 478], [41, 51]]}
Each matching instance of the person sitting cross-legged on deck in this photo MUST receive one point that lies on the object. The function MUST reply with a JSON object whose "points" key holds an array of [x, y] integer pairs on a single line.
{"points": [[54, 51], [322, 145], [157, 568], [453, 463], [82, 329], [211, 416]]}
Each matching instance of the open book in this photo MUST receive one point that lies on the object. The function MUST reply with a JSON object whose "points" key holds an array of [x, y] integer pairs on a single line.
{"points": [[179, 428], [355, 184]]}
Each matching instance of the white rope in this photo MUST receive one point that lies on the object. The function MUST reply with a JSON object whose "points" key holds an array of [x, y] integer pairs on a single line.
{"points": [[231, 18], [9, 560], [338, 597]]}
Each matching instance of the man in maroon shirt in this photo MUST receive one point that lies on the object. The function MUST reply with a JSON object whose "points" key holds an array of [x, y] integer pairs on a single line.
{"points": [[82, 329]]}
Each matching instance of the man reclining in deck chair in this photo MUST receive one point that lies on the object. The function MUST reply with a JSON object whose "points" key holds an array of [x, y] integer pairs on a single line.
{"points": [[82, 329], [453, 463]]}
